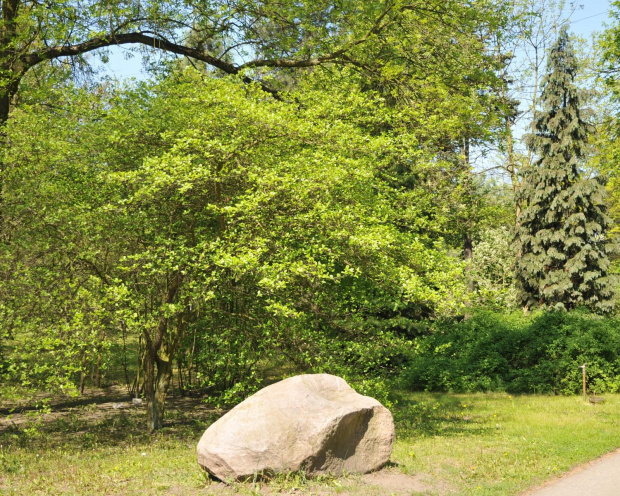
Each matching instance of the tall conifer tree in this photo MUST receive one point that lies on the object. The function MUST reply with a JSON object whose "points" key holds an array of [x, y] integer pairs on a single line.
{"points": [[561, 237]]}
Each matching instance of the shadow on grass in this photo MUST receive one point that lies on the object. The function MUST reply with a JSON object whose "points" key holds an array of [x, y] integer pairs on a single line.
{"points": [[98, 425], [85, 424], [438, 415], [67, 404]]}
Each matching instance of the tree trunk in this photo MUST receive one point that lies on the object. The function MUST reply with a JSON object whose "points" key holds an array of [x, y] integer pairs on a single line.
{"points": [[159, 353], [154, 419], [9, 73], [156, 387], [8, 89], [141, 366], [97, 380], [468, 248], [180, 377], [5, 105], [83, 374], [468, 251]]}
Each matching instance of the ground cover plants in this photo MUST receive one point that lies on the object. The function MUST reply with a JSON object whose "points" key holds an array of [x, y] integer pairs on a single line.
{"points": [[461, 444]]}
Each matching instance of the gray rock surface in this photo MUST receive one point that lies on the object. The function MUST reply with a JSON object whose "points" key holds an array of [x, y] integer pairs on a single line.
{"points": [[315, 423]]}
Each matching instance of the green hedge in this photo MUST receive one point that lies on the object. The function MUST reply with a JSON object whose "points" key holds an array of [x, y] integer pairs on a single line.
{"points": [[510, 352]]}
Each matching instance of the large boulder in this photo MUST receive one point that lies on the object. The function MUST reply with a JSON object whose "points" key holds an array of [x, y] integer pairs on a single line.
{"points": [[315, 423]]}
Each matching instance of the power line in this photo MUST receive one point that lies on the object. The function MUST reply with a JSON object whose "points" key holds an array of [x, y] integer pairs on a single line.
{"points": [[589, 17]]}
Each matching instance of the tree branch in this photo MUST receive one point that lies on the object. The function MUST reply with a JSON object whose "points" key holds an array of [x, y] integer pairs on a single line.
{"points": [[31, 59], [146, 38]]}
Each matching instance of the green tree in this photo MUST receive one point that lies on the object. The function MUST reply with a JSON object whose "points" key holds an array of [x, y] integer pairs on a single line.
{"points": [[563, 248], [250, 38], [201, 207], [607, 139], [194, 206]]}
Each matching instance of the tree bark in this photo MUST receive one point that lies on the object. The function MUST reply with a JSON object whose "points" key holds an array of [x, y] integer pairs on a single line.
{"points": [[159, 349], [468, 249], [154, 421], [5, 106], [97, 380], [156, 385], [155, 416], [83, 374], [10, 74], [157, 380]]}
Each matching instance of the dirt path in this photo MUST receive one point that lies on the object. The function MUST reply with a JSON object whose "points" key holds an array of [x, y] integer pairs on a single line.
{"points": [[598, 478]]}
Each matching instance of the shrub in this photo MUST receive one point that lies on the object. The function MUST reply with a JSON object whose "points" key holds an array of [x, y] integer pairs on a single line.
{"points": [[510, 352]]}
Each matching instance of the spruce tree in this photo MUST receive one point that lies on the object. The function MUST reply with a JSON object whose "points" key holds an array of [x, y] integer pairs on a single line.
{"points": [[563, 249]]}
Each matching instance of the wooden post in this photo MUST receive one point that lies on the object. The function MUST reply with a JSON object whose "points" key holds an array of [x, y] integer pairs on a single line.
{"points": [[584, 381]]}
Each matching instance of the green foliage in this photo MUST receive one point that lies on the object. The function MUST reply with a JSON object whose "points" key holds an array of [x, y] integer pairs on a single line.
{"points": [[389, 40], [563, 250], [229, 227], [606, 142], [492, 270], [515, 353], [216, 228]]}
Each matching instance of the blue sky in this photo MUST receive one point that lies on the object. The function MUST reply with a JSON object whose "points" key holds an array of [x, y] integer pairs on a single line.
{"points": [[591, 17]]}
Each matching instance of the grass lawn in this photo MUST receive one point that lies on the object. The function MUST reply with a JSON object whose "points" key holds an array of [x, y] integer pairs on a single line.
{"points": [[471, 444]]}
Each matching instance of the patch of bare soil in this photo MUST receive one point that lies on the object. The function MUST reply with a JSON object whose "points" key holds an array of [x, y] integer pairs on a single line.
{"points": [[393, 482]]}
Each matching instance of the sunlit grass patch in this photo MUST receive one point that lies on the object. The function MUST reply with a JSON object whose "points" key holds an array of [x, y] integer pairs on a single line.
{"points": [[498, 444], [488, 444]]}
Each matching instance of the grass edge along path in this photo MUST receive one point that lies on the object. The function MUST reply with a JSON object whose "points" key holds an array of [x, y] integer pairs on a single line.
{"points": [[498, 444], [465, 444]]}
